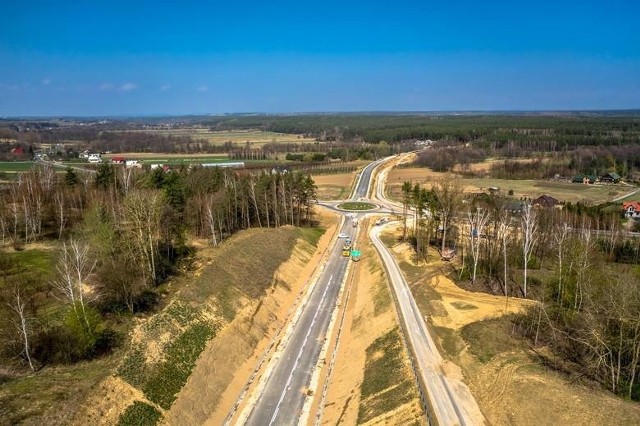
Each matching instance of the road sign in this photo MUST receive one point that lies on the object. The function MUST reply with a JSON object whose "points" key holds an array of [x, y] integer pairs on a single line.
{"points": [[355, 253]]}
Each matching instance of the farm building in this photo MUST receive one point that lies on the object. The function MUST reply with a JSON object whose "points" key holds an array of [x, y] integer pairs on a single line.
{"points": [[610, 178], [514, 207], [17, 151], [586, 179], [545, 202], [118, 160]]}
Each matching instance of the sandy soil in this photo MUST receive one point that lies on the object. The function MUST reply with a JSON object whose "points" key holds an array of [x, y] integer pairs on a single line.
{"points": [[512, 388], [108, 402], [458, 307], [227, 363], [363, 325]]}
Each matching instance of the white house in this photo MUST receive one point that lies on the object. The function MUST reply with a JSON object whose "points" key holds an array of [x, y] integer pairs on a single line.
{"points": [[94, 158]]}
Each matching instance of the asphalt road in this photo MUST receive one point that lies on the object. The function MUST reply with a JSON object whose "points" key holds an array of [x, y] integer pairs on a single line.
{"points": [[450, 401], [285, 390]]}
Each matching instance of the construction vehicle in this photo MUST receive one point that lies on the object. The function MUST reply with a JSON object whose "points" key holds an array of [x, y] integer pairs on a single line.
{"points": [[382, 221], [355, 255], [346, 248]]}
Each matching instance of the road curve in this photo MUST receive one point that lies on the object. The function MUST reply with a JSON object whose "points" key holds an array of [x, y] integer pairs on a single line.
{"points": [[449, 400]]}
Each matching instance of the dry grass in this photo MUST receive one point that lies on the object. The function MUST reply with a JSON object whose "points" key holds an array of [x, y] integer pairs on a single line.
{"points": [[256, 138], [334, 187], [147, 155], [562, 190]]}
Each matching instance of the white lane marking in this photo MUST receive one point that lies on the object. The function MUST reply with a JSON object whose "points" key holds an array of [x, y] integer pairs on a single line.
{"points": [[295, 364]]}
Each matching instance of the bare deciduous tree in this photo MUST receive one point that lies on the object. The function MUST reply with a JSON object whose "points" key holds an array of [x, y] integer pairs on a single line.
{"points": [[448, 194], [75, 265], [503, 221], [560, 237], [18, 305], [529, 237], [141, 214], [477, 222]]}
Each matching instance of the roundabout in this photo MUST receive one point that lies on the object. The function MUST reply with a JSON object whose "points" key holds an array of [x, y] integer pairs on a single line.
{"points": [[356, 206]]}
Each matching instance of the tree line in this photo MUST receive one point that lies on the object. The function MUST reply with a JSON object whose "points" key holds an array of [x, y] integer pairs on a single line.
{"points": [[577, 263], [118, 234]]}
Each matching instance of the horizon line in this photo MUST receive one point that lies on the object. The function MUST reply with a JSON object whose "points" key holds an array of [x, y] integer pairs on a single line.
{"points": [[631, 111]]}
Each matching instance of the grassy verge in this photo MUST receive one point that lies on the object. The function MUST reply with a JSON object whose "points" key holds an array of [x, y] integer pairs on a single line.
{"points": [[486, 339], [387, 382], [381, 295], [26, 398], [27, 265], [356, 206], [140, 414]]}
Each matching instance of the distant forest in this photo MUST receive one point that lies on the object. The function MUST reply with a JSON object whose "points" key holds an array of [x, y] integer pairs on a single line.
{"points": [[560, 131], [590, 142]]}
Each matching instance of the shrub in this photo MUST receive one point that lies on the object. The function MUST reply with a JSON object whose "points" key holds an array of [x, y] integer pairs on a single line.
{"points": [[140, 414]]}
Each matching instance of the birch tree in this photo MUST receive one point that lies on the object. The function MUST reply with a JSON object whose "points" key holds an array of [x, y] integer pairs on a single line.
{"points": [[502, 228], [529, 237], [60, 208], [477, 222], [141, 215], [560, 237], [448, 194], [21, 322], [75, 265]]}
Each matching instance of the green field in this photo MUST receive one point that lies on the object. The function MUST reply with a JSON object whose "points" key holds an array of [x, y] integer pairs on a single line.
{"points": [[256, 138], [356, 206], [15, 166], [25, 166]]}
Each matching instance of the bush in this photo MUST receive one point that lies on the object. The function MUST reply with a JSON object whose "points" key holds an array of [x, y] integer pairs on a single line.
{"points": [[140, 414]]}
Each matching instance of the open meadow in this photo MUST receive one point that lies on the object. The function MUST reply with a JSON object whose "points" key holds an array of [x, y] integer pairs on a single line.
{"points": [[334, 187], [562, 190], [257, 138]]}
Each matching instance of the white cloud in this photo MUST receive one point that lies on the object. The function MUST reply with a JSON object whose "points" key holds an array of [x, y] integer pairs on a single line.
{"points": [[47, 81], [105, 86], [202, 88], [127, 87], [165, 87]]}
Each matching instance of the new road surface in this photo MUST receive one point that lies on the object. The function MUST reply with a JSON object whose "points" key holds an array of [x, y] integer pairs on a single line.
{"points": [[449, 400], [284, 390]]}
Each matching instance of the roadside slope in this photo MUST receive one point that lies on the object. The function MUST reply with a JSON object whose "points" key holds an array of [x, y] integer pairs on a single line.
{"points": [[372, 382], [230, 286], [475, 333]]}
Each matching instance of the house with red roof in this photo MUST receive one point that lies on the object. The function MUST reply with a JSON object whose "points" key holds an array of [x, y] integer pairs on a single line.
{"points": [[631, 209], [18, 150]]}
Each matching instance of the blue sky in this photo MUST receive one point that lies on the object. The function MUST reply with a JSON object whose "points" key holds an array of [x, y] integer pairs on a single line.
{"points": [[129, 58]]}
